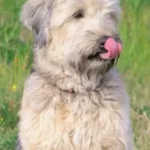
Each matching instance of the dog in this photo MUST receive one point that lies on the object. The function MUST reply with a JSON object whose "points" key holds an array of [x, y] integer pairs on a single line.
{"points": [[74, 99]]}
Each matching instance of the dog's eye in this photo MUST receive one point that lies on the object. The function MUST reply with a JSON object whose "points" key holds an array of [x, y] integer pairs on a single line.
{"points": [[78, 15]]}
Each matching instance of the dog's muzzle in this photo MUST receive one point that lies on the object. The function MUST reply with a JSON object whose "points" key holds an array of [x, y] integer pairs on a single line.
{"points": [[109, 48]]}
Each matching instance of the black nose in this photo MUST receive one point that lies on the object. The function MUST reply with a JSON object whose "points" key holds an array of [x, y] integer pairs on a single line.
{"points": [[101, 42]]}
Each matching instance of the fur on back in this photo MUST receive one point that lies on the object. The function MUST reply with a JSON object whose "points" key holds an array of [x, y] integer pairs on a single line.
{"points": [[95, 116]]}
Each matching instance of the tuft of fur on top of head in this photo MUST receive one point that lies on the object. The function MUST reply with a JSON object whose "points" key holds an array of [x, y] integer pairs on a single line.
{"points": [[37, 12], [67, 33]]}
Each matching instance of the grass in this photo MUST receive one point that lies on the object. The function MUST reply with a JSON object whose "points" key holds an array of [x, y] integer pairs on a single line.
{"points": [[16, 56]]}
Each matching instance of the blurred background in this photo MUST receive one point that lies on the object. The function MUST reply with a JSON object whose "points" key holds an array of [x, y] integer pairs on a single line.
{"points": [[134, 65]]}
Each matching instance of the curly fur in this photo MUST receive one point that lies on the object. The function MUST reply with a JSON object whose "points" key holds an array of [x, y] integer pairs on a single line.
{"points": [[95, 116]]}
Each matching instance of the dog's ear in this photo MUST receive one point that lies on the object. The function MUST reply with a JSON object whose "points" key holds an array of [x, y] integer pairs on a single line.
{"points": [[36, 16], [35, 13]]}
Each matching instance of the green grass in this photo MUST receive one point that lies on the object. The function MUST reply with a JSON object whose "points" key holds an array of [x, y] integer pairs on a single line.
{"points": [[16, 58]]}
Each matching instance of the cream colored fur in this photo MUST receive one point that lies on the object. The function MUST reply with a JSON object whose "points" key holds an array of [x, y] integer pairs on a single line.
{"points": [[95, 116]]}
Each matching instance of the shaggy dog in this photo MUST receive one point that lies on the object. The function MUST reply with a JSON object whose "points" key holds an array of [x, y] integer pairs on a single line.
{"points": [[74, 99]]}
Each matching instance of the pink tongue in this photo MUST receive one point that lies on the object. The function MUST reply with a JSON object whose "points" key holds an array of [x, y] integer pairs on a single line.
{"points": [[113, 49]]}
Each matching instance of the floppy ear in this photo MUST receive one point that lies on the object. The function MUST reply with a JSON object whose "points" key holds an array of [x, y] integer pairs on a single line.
{"points": [[36, 16]]}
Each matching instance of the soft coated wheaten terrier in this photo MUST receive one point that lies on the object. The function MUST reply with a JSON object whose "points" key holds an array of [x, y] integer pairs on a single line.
{"points": [[74, 99]]}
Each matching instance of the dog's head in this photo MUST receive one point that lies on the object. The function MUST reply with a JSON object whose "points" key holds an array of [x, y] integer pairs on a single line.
{"points": [[76, 33]]}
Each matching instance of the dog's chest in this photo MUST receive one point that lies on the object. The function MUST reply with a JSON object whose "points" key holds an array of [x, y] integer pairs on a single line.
{"points": [[73, 122]]}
